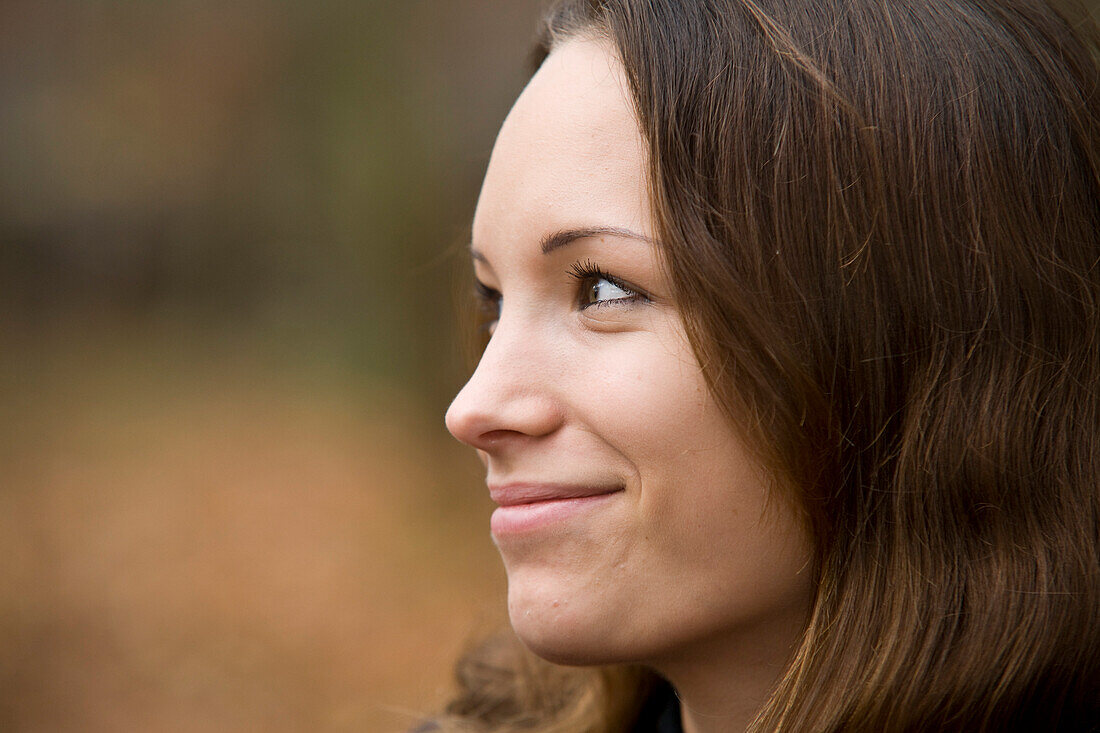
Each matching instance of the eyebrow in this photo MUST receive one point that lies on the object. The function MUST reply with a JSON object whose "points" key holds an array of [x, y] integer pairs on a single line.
{"points": [[565, 237]]}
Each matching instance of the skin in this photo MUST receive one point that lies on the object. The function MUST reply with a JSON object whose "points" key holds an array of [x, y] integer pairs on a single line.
{"points": [[688, 562]]}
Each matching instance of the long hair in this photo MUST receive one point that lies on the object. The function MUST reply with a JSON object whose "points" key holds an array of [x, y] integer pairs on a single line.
{"points": [[881, 220]]}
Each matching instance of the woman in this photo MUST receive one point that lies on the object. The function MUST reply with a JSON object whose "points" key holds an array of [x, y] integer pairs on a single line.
{"points": [[789, 399]]}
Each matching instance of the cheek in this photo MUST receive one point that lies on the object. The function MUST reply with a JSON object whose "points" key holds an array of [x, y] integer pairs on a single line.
{"points": [[710, 528], [648, 397]]}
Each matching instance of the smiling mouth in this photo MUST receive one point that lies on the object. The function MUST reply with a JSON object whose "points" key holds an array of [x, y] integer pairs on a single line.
{"points": [[526, 509], [520, 494]]}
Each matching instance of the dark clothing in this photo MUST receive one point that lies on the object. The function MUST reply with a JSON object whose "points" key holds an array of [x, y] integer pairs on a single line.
{"points": [[660, 713]]}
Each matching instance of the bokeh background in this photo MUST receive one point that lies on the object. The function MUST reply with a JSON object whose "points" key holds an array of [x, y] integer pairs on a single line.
{"points": [[231, 244]]}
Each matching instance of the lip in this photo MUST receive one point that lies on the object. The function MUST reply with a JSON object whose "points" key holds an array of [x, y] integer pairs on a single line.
{"points": [[519, 493], [526, 507]]}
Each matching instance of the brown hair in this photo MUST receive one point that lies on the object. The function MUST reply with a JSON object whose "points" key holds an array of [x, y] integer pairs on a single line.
{"points": [[882, 222]]}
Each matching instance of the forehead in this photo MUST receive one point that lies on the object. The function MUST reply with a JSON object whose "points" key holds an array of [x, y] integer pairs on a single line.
{"points": [[569, 154]]}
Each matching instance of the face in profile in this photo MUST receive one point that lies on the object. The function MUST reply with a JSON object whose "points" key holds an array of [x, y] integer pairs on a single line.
{"points": [[633, 522]]}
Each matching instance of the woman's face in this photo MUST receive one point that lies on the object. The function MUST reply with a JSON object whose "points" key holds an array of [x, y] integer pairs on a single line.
{"points": [[634, 524]]}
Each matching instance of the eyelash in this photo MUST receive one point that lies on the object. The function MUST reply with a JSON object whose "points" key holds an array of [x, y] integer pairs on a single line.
{"points": [[489, 299], [588, 270], [488, 306]]}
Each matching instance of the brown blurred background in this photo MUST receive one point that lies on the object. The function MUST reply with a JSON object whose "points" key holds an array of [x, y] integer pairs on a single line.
{"points": [[229, 233]]}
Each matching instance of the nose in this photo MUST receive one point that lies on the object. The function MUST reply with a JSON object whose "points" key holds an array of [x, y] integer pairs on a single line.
{"points": [[511, 394]]}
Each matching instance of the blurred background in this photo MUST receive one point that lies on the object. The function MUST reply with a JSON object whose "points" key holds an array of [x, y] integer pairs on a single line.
{"points": [[231, 238]]}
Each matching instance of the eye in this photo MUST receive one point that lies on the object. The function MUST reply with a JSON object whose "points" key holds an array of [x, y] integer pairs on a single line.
{"points": [[601, 290], [598, 288], [488, 307]]}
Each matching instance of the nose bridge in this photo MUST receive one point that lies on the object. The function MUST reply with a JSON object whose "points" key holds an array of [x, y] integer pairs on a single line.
{"points": [[511, 389]]}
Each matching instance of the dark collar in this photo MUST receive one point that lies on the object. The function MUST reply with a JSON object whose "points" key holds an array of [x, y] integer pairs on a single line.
{"points": [[660, 713]]}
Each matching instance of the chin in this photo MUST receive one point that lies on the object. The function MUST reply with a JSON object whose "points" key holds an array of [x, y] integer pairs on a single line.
{"points": [[563, 628], [562, 644]]}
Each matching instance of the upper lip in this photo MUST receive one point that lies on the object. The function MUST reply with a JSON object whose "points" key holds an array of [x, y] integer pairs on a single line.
{"points": [[525, 492]]}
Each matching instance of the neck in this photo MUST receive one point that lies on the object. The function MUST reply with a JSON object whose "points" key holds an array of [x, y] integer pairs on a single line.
{"points": [[722, 684], [721, 703]]}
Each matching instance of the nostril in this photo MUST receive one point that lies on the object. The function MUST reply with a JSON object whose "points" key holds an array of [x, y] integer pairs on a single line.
{"points": [[494, 437]]}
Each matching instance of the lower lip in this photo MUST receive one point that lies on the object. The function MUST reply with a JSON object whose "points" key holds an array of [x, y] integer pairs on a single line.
{"points": [[523, 518]]}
